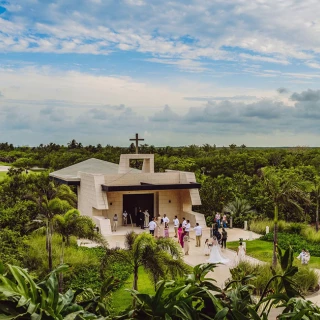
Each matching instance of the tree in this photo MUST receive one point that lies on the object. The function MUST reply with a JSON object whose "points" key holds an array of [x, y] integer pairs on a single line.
{"points": [[159, 257], [240, 210], [73, 224], [315, 194], [284, 188]]}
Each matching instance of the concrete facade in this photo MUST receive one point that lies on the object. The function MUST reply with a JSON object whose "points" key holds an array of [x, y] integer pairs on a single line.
{"points": [[170, 199]]}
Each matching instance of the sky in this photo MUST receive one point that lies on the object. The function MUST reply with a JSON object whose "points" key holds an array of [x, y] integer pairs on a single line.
{"points": [[177, 72]]}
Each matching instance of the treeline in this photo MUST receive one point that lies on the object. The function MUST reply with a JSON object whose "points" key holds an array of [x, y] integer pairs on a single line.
{"points": [[225, 173]]}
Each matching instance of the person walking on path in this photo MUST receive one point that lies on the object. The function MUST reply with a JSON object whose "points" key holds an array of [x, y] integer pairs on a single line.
{"points": [[152, 226], [186, 243], [184, 222], [176, 226], [224, 239], [115, 223], [198, 231], [165, 219]]}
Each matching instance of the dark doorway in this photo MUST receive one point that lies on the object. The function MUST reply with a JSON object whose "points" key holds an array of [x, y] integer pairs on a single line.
{"points": [[132, 203]]}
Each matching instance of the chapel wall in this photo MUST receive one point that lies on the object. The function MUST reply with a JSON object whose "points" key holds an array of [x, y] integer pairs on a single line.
{"points": [[172, 208]]}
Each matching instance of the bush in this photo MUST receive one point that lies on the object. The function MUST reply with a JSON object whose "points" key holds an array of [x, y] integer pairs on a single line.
{"points": [[306, 278], [11, 246], [311, 235], [210, 221], [259, 226]]}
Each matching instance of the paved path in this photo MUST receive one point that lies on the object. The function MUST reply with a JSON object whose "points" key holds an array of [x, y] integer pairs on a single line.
{"points": [[4, 168]]}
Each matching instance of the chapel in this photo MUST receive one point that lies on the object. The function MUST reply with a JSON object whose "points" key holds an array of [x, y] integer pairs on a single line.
{"points": [[106, 188]]}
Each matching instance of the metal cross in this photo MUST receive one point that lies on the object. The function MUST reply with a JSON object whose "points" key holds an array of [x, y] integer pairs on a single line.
{"points": [[137, 139]]}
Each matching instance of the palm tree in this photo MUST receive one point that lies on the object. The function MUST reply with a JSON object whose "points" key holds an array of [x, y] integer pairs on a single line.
{"points": [[315, 193], [240, 209], [159, 257], [284, 188], [73, 224], [52, 199]]}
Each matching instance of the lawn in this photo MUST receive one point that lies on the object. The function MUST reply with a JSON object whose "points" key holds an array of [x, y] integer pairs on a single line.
{"points": [[3, 174], [121, 298], [262, 250]]}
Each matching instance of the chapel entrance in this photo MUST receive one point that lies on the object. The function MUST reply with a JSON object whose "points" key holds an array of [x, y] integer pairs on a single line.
{"points": [[132, 203]]}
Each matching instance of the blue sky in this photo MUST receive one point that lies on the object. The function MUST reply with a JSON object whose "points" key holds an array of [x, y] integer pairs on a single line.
{"points": [[177, 72]]}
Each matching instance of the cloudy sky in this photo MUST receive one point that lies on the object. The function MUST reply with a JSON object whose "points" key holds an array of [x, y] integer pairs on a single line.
{"points": [[178, 72]]}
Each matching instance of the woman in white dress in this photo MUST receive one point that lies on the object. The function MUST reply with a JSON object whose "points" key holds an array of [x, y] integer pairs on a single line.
{"points": [[241, 252], [215, 254]]}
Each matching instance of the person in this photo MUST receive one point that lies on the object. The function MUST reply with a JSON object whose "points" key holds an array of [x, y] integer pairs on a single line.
{"points": [[224, 239], [182, 237], [207, 247], [186, 243], [157, 230], [241, 252], [176, 226], [115, 223], [152, 225], [215, 253], [188, 226], [304, 256], [146, 218], [124, 218], [165, 219], [138, 215], [184, 222], [166, 230], [218, 217], [218, 235], [141, 220], [161, 228], [198, 231], [224, 221], [180, 231]]}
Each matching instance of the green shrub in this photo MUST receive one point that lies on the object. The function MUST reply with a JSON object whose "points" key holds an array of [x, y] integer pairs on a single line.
{"points": [[295, 241], [11, 246], [310, 234], [259, 226], [209, 220], [307, 280]]}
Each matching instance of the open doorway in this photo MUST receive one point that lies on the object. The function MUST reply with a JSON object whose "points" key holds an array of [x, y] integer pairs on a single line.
{"points": [[132, 203]]}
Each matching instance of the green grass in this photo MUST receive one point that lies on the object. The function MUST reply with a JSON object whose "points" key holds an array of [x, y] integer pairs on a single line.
{"points": [[2, 175], [121, 298], [262, 250]]}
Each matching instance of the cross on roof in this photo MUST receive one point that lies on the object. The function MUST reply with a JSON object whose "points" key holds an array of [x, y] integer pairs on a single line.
{"points": [[137, 139]]}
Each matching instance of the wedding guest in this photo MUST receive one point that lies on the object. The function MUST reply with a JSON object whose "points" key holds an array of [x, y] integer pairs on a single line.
{"points": [[207, 248], [218, 217], [161, 228], [115, 223], [184, 222], [180, 231], [186, 243], [165, 219], [152, 225], [224, 238], [124, 218], [157, 228], [188, 226], [182, 237], [166, 230], [198, 231], [224, 221], [241, 252], [176, 226], [304, 257]]}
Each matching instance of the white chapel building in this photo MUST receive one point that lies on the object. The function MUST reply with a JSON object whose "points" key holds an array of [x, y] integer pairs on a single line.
{"points": [[106, 188]]}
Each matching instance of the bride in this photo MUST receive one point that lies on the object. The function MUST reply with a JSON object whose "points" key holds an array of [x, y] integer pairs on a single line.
{"points": [[215, 254]]}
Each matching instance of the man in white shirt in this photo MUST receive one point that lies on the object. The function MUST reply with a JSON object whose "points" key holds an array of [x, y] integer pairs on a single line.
{"points": [[176, 226], [184, 222], [188, 226], [198, 231], [165, 219], [152, 225]]}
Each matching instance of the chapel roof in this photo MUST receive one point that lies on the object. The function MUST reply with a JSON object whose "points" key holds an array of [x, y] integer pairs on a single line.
{"points": [[93, 166]]}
